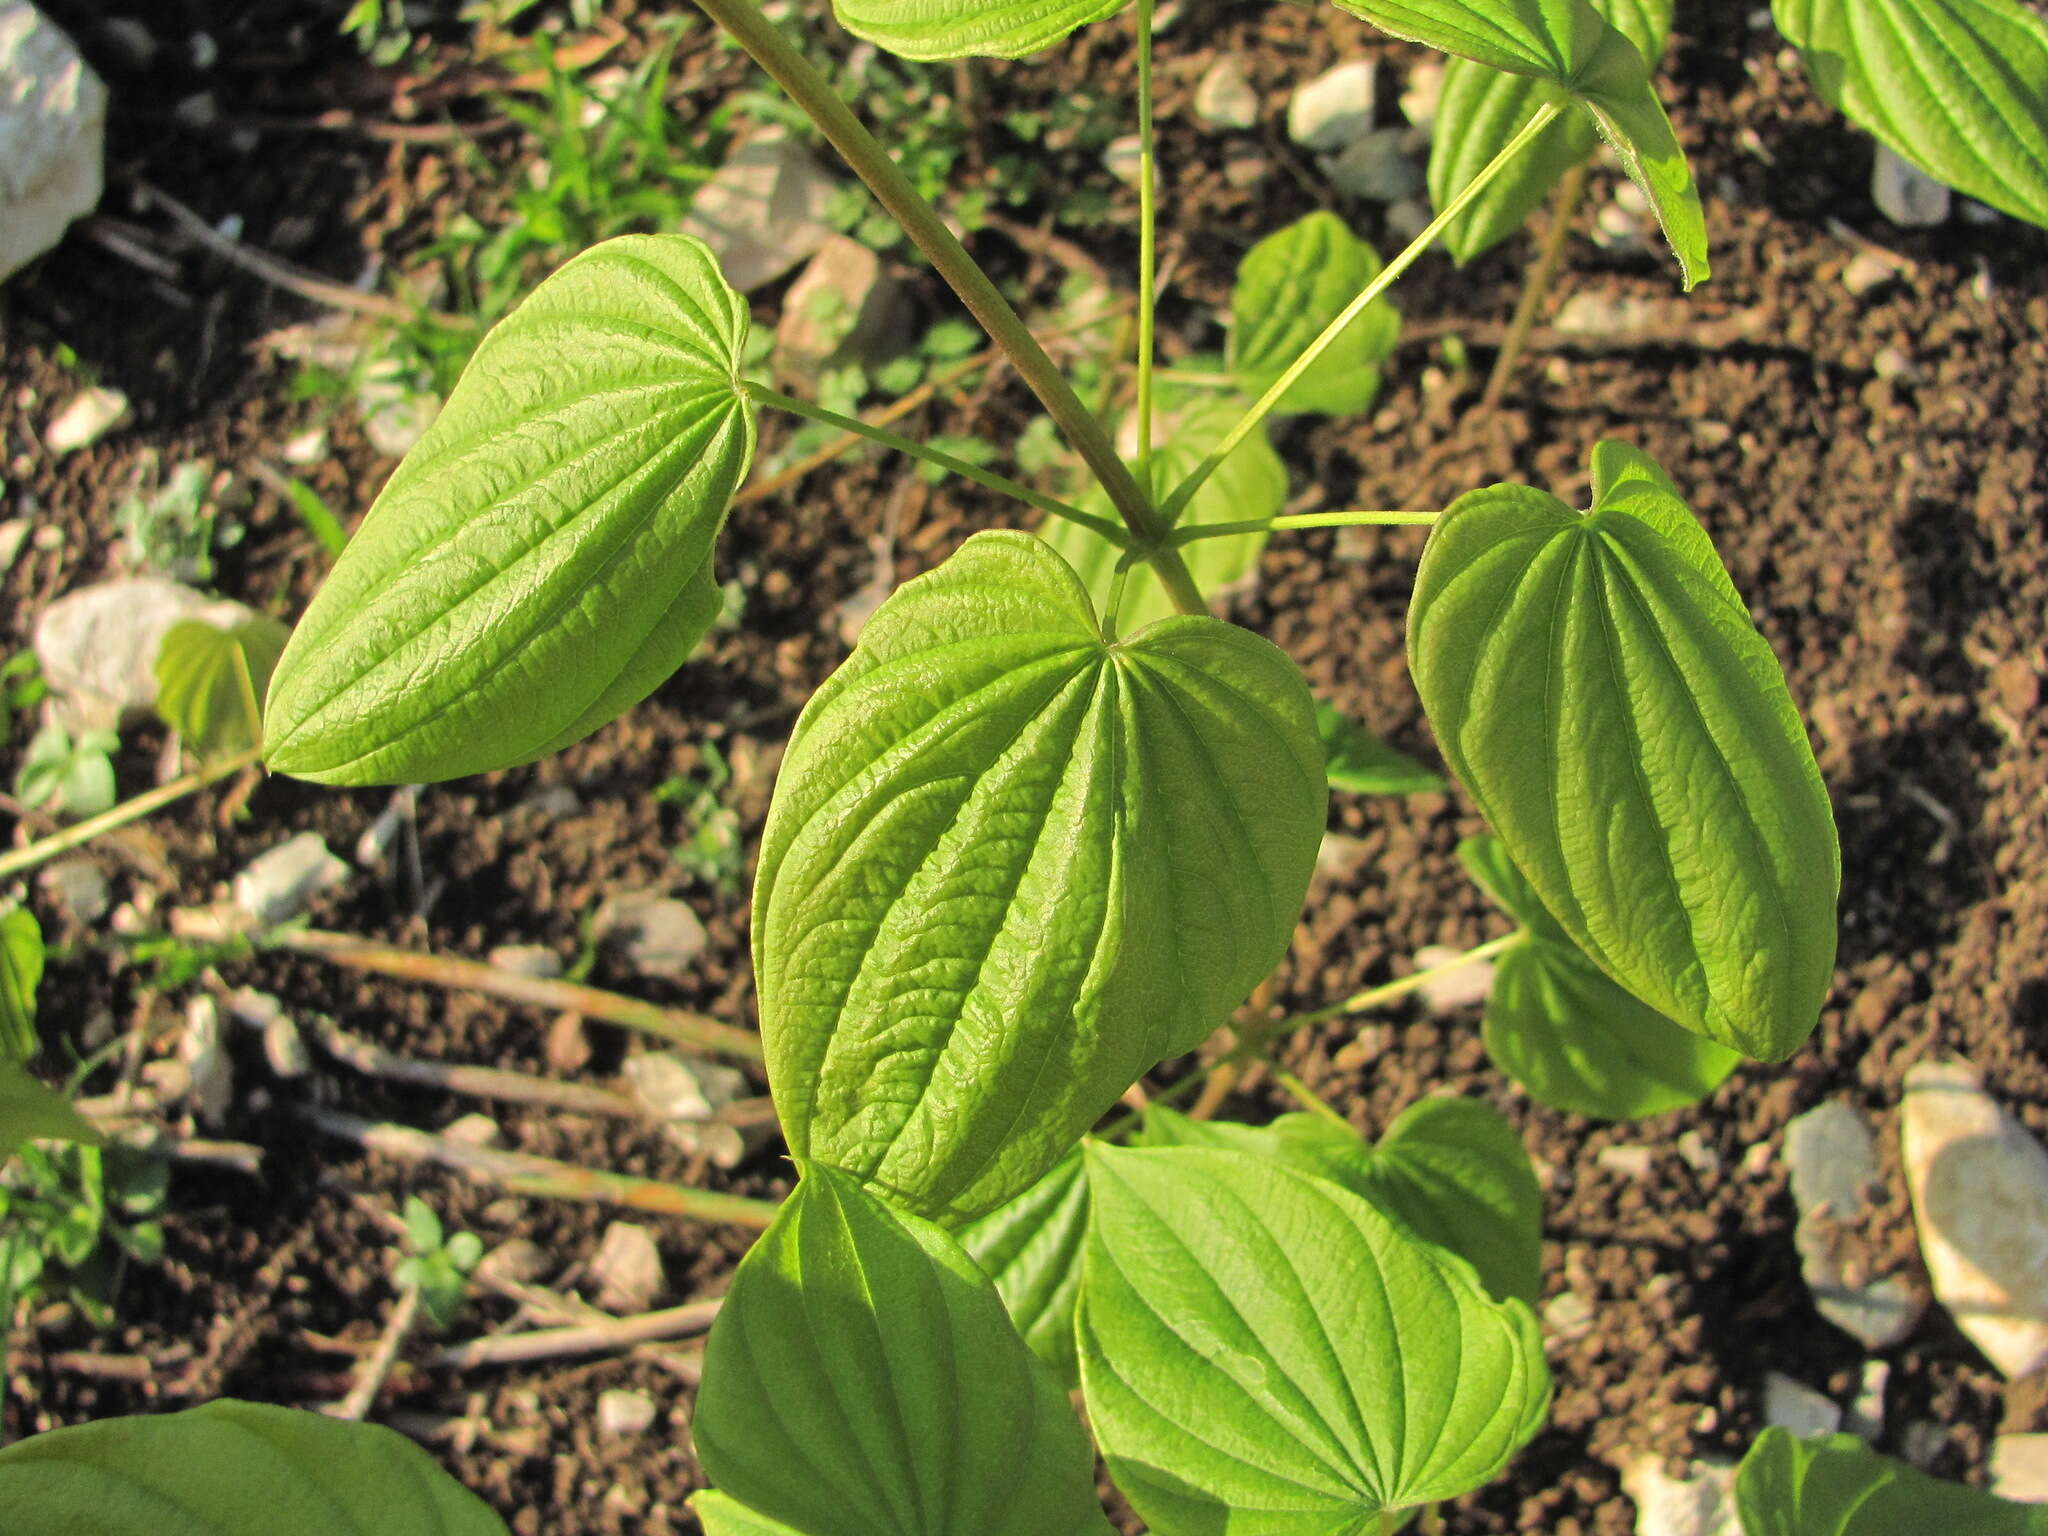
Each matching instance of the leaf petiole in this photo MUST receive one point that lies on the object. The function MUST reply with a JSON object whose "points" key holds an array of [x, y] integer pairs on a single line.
{"points": [[1400, 986], [1198, 531]]}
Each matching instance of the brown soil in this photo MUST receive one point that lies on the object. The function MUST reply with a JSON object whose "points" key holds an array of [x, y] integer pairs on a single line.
{"points": [[1869, 467]]}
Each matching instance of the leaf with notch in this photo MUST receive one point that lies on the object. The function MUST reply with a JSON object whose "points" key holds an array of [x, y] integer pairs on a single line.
{"points": [[31, 1112], [1030, 1247], [21, 972], [1628, 733], [1010, 866], [1958, 87], [955, 29], [1835, 1485], [210, 682], [863, 1376], [1290, 286], [542, 559], [1360, 762], [1265, 1354]]}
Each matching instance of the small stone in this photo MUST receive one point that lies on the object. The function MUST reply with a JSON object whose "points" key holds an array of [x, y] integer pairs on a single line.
{"points": [[1334, 109], [568, 1043], [2019, 1468], [1836, 1184], [1122, 158], [843, 308], [381, 835], [1405, 219], [654, 935], [13, 534], [53, 125], [1905, 194], [85, 418], [1867, 272], [1245, 165], [282, 883], [1224, 98], [1567, 1317], [307, 447], [1376, 168], [1923, 1442], [251, 1009], [1865, 1418], [533, 960], [473, 1130], [205, 1057], [1588, 313], [1894, 363], [79, 889], [1793, 1405], [627, 1269], [394, 410], [519, 1260], [1340, 855], [1980, 214], [285, 1048], [1423, 93], [622, 1412], [671, 1087], [1630, 1162], [129, 40], [557, 802], [2017, 685], [98, 646], [1466, 987], [1701, 1504], [1695, 1152], [764, 212], [1979, 1183]]}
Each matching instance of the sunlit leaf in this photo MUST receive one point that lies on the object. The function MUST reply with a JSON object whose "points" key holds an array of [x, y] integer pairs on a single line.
{"points": [[954, 29], [1360, 762], [210, 682], [31, 1112], [721, 1516], [21, 972], [1835, 1485], [1030, 1247], [1290, 286]]}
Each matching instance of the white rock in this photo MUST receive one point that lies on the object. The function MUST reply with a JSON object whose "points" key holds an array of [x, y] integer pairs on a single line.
{"points": [[1121, 158], [53, 124], [2019, 1468], [381, 835], [763, 212], [84, 419], [622, 1412], [473, 1130], [1793, 1405], [842, 308], [395, 411], [655, 935], [1334, 109], [519, 1260], [283, 882], [1894, 363], [534, 960], [1587, 313], [285, 1048], [1466, 987], [205, 1056], [627, 1269], [1905, 194], [13, 534], [1423, 94], [1865, 1417], [1697, 1153], [1376, 168], [673, 1088], [1835, 1181], [98, 646], [1630, 1162], [1702, 1504], [1867, 271], [1567, 1317], [1224, 98], [1405, 220], [79, 889], [1980, 1196]]}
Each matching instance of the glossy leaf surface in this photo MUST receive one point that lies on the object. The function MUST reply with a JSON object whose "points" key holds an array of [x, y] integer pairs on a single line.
{"points": [[1628, 733], [542, 559], [21, 972], [1835, 1485], [863, 1376], [955, 29], [1030, 1247], [233, 1469], [1265, 1354], [1010, 866], [1358, 761], [1290, 286], [210, 682], [31, 1112], [1958, 87]]}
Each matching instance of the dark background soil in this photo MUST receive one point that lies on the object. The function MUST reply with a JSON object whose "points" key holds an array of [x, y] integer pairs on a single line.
{"points": [[1886, 525]]}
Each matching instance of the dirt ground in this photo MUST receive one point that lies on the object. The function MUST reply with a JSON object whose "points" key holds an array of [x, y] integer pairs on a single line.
{"points": [[1870, 467]]}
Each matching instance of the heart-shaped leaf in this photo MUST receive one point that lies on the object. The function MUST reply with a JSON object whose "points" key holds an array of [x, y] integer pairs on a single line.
{"points": [[1360, 762], [1010, 866], [1958, 87], [1566, 1033], [956, 29], [1290, 286], [21, 972], [1835, 1485], [1567, 44], [31, 1112], [863, 1376], [1030, 1247], [1624, 727], [233, 1469], [1264, 1354], [542, 559], [210, 682]]}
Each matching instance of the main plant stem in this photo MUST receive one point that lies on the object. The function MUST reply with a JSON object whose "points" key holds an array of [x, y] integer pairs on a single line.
{"points": [[1537, 284], [1148, 272], [874, 165], [128, 810], [1388, 276]]}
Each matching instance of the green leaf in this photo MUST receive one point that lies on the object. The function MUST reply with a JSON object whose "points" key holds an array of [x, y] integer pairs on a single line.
{"points": [[1360, 762], [1010, 867], [1626, 730], [1264, 1354], [862, 1376], [721, 1516], [210, 682], [1290, 286], [233, 1469], [955, 29], [31, 1112], [1482, 110], [21, 972], [1030, 1247], [1958, 87], [542, 559], [1568, 45], [1835, 1485], [1570, 1036]]}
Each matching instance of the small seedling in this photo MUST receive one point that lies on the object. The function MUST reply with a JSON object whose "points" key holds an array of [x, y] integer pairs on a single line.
{"points": [[71, 777], [710, 849], [437, 1264]]}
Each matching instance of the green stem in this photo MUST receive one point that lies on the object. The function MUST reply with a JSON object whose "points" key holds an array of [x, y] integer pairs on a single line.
{"points": [[1562, 208], [1148, 275], [1306, 1096], [787, 66], [1196, 531], [1390, 1522], [1386, 279], [128, 810], [1387, 992], [854, 426]]}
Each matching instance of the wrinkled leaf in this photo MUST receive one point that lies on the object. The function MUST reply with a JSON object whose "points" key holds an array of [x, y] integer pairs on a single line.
{"points": [[21, 972], [1359, 761], [1957, 87], [233, 1469], [1264, 1354], [1010, 867], [863, 1376], [31, 1112], [954, 29], [210, 682], [1569, 45], [542, 559], [1290, 286], [721, 1516], [1835, 1485], [1030, 1247], [1628, 733]]}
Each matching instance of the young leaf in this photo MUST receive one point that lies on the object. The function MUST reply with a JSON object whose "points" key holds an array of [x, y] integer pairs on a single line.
{"points": [[954, 29], [1569, 46], [721, 1516], [1359, 761], [1265, 1354], [1011, 866], [1835, 1485], [1628, 733], [862, 1376], [232, 1469], [210, 682], [1289, 287], [31, 1112], [542, 559], [1958, 87], [1030, 1248], [21, 972]]}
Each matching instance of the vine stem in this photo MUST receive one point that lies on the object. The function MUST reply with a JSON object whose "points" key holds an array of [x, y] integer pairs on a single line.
{"points": [[1562, 210], [142, 805], [1198, 531], [1148, 268], [855, 427], [787, 66], [1387, 992], [1388, 276]]}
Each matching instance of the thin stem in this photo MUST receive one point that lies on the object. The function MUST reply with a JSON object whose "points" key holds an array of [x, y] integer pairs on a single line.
{"points": [[1148, 274], [142, 805], [1198, 531], [376, 1370], [1387, 992], [878, 168], [1562, 209], [1386, 279], [946, 461], [1306, 1096]]}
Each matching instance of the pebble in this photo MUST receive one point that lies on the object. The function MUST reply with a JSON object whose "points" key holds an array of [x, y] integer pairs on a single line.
{"points": [[1793, 1405], [1631, 1162], [519, 1260], [85, 418], [1907, 195], [534, 960], [1698, 1154], [79, 888], [1334, 109], [765, 212], [1923, 1442], [282, 883], [98, 646], [1979, 1183], [284, 1048], [622, 1411], [1865, 1418], [1376, 168], [53, 126], [1567, 1317], [654, 935], [205, 1057], [670, 1087], [1244, 165], [1423, 93], [2019, 1468], [1867, 272], [1341, 855], [568, 1043], [473, 1130], [394, 410], [1466, 987], [1835, 1183], [1224, 98], [1894, 363], [13, 534], [627, 1269], [1700, 1504], [1587, 313], [844, 307], [1121, 157], [557, 802], [1405, 219]]}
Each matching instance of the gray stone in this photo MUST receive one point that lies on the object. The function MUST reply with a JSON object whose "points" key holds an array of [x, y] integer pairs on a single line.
{"points": [[1907, 195], [671, 1087], [654, 935], [1865, 1418], [1587, 313], [843, 308], [1122, 158], [622, 1412], [79, 889], [205, 1056], [1793, 1405], [1334, 109], [473, 1130], [517, 1261], [1224, 98], [282, 883], [2019, 1468], [627, 1269], [98, 646], [765, 211], [1423, 93], [1867, 271], [1567, 1317], [53, 124], [85, 418], [1699, 1504], [534, 960], [1465, 987], [1376, 168], [1836, 1184]]}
